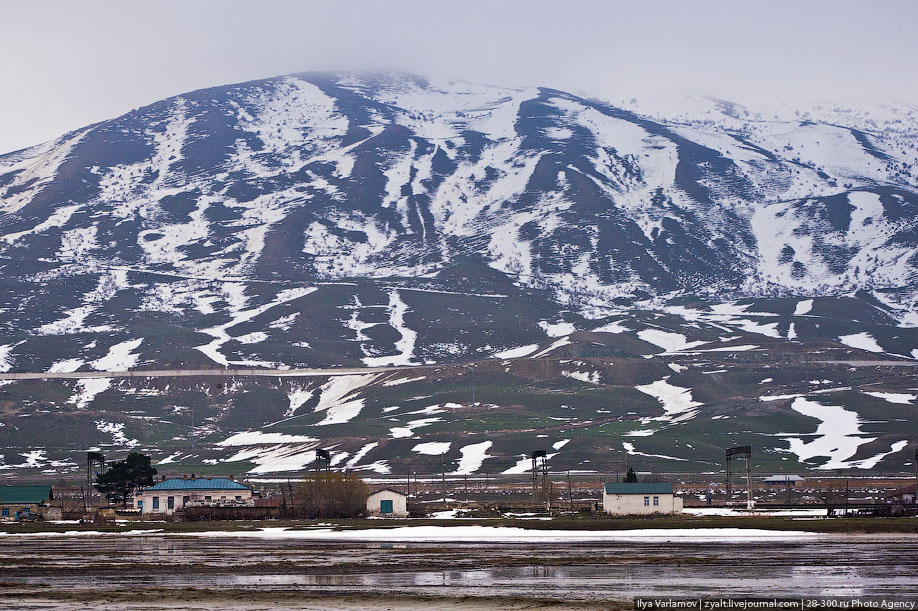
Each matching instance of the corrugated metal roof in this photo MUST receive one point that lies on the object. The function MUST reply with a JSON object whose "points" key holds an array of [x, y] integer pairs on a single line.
{"points": [[25, 494], [199, 483], [639, 488]]}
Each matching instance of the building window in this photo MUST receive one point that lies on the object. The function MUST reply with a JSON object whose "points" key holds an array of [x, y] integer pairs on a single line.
{"points": [[171, 502], [656, 501], [385, 506], [155, 502], [5, 512], [185, 500], [238, 498], [646, 501], [140, 505], [206, 498]]}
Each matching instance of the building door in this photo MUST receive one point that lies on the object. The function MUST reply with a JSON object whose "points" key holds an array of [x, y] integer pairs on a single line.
{"points": [[385, 506]]}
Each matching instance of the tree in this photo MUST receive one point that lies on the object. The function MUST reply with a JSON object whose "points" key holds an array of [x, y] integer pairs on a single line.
{"points": [[124, 476], [331, 495], [631, 476]]}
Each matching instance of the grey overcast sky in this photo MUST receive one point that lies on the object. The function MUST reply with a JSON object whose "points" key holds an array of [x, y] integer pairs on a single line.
{"points": [[66, 64]]}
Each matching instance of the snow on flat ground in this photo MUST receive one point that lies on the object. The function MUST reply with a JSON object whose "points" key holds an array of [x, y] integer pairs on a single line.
{"points": [[87, 533], [502, 534], [729, 511], [861, 341]]}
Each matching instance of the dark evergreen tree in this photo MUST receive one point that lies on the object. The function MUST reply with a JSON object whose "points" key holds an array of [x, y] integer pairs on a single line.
{"points": [[122, 477], [631, 476]]}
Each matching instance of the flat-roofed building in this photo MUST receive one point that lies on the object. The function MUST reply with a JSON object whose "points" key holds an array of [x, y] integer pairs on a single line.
{"points": [[783, 479], [625, 499]]}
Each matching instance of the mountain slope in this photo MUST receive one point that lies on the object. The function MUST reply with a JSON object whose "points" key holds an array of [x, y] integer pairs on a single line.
{"points": [[322, 220]]}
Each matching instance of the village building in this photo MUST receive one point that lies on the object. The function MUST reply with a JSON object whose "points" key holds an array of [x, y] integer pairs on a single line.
{"points": [[24, 502], [387, 503], [624, 499], [175, 494], [783, 480], [903, 496]]}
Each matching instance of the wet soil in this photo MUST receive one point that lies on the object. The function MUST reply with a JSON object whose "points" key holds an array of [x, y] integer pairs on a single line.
{"points": [[156, 572]]}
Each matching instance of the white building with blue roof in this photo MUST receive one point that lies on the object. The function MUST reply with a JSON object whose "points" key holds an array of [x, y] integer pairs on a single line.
{"points": [[640, 498], [174, 494]]}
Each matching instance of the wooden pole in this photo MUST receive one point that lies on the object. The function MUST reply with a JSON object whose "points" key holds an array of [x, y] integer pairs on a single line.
{"points": [[570, 495], [846, 498]]}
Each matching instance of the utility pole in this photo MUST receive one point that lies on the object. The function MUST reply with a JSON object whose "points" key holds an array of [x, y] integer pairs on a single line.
{"points": [[570, 496], [846, 498], [915, 498], [750, 503], [443, 479]]}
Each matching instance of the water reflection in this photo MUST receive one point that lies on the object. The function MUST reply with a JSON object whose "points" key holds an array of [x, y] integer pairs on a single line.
{"points": [[584, 572]]}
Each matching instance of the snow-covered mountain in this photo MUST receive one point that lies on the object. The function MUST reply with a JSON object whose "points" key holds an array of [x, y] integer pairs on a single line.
{"points": [[322, 177], [348, 219]]}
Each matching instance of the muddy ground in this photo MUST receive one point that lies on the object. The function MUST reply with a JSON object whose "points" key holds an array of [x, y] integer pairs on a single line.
{"points": [[157, 572]]}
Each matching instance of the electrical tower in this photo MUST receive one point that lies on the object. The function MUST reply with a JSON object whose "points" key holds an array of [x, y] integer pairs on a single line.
{"points": [[541, 491], [746, 453]]}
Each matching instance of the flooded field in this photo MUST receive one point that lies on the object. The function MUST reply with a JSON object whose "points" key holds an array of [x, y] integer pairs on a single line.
{"points": [[75, 572]]}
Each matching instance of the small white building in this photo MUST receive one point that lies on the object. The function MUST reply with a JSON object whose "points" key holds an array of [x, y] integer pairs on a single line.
{"points": [[387, 503], [640, 499], [783, 480], [171, 495]]}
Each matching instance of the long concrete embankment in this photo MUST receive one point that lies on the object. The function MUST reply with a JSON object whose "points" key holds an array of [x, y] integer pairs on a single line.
{"points": [[179, 373]]}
